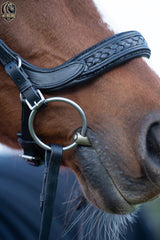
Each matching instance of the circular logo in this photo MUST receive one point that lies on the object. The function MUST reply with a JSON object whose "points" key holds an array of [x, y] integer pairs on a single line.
{"points": [[8, 11]]}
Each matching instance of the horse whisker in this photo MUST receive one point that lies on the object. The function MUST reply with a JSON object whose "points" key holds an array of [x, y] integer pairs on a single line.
{"points": [[75, 221]]}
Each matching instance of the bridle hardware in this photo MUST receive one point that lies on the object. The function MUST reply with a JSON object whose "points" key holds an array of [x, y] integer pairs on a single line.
{"points": [[89, 64]]}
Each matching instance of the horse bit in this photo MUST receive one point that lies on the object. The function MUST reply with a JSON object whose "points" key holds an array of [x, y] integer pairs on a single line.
{"points": [[32, 81]]}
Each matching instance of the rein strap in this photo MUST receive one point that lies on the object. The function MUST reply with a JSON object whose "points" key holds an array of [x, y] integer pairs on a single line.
{"points": [[52, 164]]}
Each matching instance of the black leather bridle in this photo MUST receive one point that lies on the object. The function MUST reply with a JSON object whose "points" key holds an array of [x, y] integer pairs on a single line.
{"points": [[31, 80]]}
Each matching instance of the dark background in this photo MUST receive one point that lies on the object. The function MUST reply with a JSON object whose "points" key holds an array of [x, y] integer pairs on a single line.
{"points": [[20, 187]]}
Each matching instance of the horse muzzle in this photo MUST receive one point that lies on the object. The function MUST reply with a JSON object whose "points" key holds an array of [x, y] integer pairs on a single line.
{"points": [[112, 185]]}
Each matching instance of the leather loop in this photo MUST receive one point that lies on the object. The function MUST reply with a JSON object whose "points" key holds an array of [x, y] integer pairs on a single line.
{"points": [[19, 77]]}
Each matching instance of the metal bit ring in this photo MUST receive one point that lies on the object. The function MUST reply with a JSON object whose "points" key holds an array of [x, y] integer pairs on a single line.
{"points": [[57, 99]]}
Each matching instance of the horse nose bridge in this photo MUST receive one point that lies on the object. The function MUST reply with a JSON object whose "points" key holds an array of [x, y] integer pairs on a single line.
{"points": [[149, 144]]}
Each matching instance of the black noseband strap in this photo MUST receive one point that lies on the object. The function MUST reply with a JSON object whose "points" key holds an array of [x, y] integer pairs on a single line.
{"points": [[101, 57]]}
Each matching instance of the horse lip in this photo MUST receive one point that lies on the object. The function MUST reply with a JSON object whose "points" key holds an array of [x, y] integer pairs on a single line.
{"points": [[95, 176]]}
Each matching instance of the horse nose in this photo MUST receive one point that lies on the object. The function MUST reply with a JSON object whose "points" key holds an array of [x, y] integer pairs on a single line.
{"points": [[149, 144]]}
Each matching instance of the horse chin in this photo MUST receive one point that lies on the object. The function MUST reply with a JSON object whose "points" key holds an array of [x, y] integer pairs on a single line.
{"points": [[97, 184]]}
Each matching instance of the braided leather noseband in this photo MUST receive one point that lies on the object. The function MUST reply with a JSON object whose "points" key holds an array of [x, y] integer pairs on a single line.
{"points": [[30, 79]]}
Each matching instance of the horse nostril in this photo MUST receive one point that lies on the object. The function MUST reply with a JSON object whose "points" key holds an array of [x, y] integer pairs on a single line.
{"points": [[153, 142], [149, 145], [149, 154]]}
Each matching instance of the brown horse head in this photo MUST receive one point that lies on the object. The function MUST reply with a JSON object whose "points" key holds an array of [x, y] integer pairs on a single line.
{"points": [[122, 167]]}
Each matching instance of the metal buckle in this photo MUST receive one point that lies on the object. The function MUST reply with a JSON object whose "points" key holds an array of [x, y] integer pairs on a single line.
{"points": [[36, 104]]}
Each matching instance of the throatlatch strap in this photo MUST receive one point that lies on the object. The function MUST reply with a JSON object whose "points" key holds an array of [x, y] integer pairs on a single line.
{"points": [[49, 187]]}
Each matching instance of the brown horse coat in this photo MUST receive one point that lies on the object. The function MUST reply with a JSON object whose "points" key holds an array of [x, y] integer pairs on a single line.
{"points": [[122, 107]]}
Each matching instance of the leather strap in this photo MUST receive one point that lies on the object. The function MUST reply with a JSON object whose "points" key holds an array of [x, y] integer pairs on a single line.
{"points": [[101, 57], [32, 153], [49, 187], [23, 83]]}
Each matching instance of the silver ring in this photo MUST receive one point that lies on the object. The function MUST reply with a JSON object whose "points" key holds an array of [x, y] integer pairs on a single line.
{"points": [[57, 99], [19, 62]]}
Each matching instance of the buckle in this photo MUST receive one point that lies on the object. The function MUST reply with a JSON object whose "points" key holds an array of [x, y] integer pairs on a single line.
{"points": [[36, 104]]}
